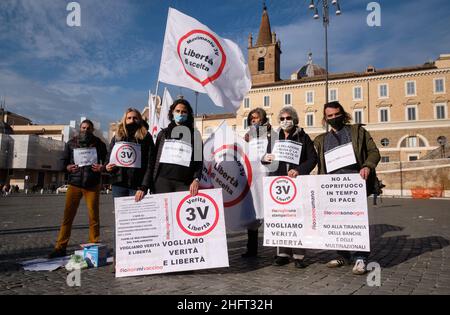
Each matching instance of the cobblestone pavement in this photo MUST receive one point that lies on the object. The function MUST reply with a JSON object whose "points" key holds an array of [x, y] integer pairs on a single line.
{"points": [[410, 240]]}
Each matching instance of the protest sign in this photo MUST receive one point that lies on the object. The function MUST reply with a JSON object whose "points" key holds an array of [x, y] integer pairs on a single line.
{"points": [[170, 232], [287, 151], [176, 152], [85, 156], [126, 154], [317, 212], [340, 157]]}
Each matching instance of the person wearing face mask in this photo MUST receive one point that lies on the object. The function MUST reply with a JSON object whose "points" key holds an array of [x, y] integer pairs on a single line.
{"points": [[289, 130], [85, 155], [181, 171], [260, 132], [133, 181], [366, 157]]}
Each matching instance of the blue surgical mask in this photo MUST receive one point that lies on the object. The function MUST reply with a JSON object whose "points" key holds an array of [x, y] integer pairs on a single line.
{"points": [[180, 118]]}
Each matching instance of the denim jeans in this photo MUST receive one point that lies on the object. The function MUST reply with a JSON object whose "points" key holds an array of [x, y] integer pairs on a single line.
{"points": [[118, 191]]}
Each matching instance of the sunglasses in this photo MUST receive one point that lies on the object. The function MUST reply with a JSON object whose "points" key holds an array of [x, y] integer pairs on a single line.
{"points": [[287, 118]]}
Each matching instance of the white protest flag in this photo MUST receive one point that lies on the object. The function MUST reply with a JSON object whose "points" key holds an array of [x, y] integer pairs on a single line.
{"points": [[152, 118], [167, 101], [227, 165], [196, 58]]}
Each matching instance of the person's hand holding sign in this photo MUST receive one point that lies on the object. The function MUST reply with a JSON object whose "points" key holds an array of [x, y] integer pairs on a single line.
{"points": [[293, 173], [193, 189], [72, 168], [110, 167], [364, 173], [140, 194], [268, 158]]}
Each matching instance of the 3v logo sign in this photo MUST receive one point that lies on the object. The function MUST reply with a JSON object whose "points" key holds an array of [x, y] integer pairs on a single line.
{"points": [[282, 190], [202, 213], [125, 155]]}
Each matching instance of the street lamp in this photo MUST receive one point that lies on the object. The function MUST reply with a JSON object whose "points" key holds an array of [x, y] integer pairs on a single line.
{"points": [[326, 22]]}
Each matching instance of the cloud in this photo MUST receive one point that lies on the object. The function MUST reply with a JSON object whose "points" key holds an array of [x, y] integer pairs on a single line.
{"points": [[353, 45], [61, 102], [94, 50], [53, 73]]}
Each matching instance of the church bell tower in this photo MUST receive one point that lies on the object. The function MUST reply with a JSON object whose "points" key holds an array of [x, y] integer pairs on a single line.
{"points": [[264, 56]]}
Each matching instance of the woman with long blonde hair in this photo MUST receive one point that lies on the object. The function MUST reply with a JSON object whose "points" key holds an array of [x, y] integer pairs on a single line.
{"points": [[133, 181]]}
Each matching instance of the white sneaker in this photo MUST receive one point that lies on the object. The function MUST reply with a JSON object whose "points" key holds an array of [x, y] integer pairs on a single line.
{"points": [[360, 267], [335, 263]]}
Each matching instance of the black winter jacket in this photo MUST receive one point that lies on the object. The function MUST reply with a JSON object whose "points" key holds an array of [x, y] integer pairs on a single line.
{"points": [[308, 158], [136, 178], [186, 174], [85, 177]]}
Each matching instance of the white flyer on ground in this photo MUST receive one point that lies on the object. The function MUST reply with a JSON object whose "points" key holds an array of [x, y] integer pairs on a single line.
{"points": [[85, 156], [126, 154], [176, 152], [169, 233], [316, 212], [340, 157], [287, 151]]}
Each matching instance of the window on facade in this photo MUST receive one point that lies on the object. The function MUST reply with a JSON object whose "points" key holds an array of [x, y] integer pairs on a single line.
{"points": [[413, 158], [440, 111], [411, 88], [357, 93], [246, 102], [385, 142], [245, 124], [261, 64], [412, 115], [412, 142], [266, 101], [385, 159], [309, 97], [384, 115], [358, 116], [287, 99], [333, 95], [383, 92], [310, 120], [439, 86]]}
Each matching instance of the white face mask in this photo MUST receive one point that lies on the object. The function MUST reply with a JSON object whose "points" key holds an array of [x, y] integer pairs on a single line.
{"points": [[286, 125]]}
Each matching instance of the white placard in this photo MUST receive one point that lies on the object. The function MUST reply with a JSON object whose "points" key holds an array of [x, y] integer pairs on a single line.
{"points": [[126, 154], [176, 152], [340, 157], [169, 233], [85, 156], [316, 212], [257, 149], [287, 151]]}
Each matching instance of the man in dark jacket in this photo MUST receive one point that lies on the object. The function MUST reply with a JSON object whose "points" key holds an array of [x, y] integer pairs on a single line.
{"points": [[85, 156], [366, 158]]}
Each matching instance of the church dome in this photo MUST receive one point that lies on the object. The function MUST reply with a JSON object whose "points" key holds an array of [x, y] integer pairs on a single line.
{"points": [[309, 70]]}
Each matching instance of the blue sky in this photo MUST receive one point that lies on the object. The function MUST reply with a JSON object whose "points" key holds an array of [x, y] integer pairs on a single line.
{"points": [[53, 73]]}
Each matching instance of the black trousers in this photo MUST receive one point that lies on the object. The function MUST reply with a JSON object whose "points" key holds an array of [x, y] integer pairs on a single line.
{"points": [[164, 185]]}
